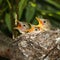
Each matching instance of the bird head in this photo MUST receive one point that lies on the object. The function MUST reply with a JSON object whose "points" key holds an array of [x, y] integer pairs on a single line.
{"points": [[43, 24], [21, 26], [32, 28]]}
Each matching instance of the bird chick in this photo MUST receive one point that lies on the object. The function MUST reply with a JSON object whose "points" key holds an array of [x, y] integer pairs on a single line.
{"points": [[32, 29], [43, 24], [22, 26]]}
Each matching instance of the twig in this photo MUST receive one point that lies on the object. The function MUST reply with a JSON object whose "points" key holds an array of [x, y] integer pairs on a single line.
{"points": [[50, 51]]}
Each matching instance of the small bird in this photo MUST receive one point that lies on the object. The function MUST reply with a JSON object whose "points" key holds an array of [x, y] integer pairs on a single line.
{"points": [[24, 27], [21, 26], [43, 24], [32, 29]]}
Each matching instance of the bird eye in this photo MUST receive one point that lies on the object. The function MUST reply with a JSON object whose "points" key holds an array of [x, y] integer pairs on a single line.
{"points": [[36, 29], [23, 25], [44, 21]]}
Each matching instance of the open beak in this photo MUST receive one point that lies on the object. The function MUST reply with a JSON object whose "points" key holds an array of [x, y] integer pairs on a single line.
{"points": [[40, 24], [31, 29], [39, 21], [18, 26]]}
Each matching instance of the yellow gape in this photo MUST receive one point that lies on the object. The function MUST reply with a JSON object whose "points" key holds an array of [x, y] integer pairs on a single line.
{"points": [[40, 23], [31, 29], [43, 24], [21, 27]]}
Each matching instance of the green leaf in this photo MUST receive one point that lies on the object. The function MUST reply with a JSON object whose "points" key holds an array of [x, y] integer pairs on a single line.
{"points": [[21, 6], [58, 12], [53, 3], [30, 11], [1, 1], [8, 21]]}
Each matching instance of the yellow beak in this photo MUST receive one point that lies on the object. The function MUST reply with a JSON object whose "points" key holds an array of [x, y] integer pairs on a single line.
{"points": [[31, 29], [40, 25], [40, 22]]}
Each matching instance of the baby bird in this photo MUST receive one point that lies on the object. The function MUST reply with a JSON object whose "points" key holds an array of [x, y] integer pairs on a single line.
{"points": [[22, 26], [43, 24], [32, 29]]}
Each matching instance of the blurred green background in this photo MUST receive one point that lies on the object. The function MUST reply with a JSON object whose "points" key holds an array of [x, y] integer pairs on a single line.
{"points": [[27, 10]]}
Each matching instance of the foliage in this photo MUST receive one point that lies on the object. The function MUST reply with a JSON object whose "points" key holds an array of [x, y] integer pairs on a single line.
{"points": [[7, 18], [27, 10]]}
